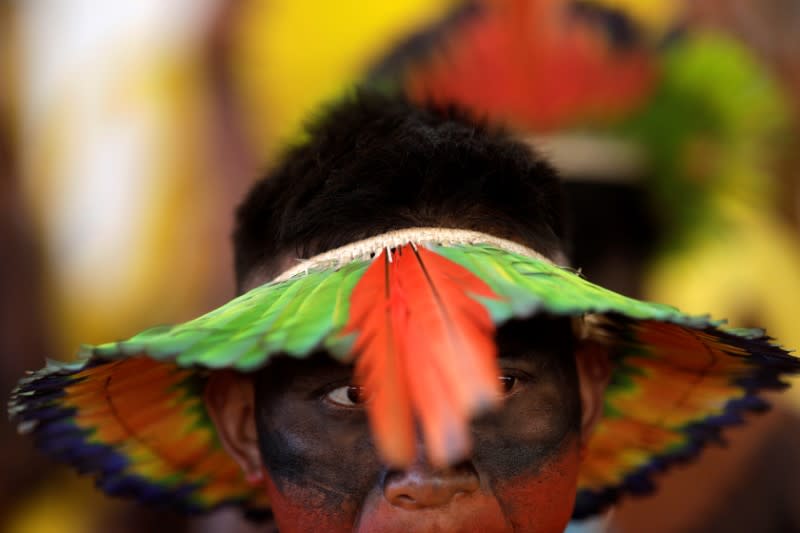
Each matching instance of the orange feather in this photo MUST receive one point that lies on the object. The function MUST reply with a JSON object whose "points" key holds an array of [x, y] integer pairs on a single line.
{"points": [[425, 349]]}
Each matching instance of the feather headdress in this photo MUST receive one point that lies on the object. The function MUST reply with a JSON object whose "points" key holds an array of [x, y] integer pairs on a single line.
{"points": [[415, 311]]}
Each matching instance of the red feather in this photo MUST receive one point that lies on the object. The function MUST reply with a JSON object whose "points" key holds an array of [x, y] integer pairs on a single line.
{"points": [[528, 64], [425, 349]]}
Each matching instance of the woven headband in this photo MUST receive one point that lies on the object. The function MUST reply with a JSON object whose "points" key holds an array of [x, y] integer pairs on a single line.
{"points": [[367, 248]]}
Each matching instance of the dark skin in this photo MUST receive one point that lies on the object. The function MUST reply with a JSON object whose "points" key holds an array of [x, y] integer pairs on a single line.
{"points": [[301, 431]]}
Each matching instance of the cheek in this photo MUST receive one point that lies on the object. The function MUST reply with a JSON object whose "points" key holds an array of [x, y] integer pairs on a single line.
{"points": [[319, 468], [542, 501], [529, 455], [299, 510]]}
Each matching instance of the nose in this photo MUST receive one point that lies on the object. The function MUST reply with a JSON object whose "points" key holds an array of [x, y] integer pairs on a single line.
{"points": [[420, 487]]}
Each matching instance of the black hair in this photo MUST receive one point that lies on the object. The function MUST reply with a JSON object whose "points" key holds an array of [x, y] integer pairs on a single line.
{"points": [[375, 163]]}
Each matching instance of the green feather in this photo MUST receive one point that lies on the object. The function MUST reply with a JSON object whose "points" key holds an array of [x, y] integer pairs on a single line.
{"points": [[500, 277], [312, 315], [309, 319], [300, 315], [531, 284], [324, 311], [164, 342], [294, 317], [229, 344]]}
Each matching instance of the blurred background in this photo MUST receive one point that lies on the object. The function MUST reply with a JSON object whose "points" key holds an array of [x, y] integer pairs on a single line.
{"points": [[129, 132]]}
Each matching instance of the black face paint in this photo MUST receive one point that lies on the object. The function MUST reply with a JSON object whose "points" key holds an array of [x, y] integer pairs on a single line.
{"points": [[305, 441], [324, 455], [533, 422]]}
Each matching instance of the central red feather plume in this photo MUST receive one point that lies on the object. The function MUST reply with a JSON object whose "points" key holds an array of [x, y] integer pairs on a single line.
{"points": [[425, 349]]}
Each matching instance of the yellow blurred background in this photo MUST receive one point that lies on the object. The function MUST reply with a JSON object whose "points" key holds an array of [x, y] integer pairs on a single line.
{"points": [[129, 132]]}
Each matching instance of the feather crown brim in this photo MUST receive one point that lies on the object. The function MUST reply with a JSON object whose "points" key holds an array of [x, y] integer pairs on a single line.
{"points": [[132, 414]]}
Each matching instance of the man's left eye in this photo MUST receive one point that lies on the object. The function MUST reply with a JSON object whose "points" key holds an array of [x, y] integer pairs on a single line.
{"points": [[347, 396]]}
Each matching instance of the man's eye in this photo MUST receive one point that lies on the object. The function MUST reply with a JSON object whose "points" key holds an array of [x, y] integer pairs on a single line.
{"points": [[507, 384], [354, 396], [347, 396]]}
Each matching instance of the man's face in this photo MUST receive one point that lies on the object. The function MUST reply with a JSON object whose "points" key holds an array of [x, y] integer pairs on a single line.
{"points": [[323, 472]]}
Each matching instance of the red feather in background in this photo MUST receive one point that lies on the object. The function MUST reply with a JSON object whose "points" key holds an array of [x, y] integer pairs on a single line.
{"points": [[425, 350], [529, 64]]}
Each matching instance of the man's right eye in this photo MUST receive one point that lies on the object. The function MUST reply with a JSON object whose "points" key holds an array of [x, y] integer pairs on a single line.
{"points": [[347, 396], [507, 384]]}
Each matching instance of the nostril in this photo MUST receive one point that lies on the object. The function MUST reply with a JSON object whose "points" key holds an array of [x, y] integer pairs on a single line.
{"points": [[419, 487], [404, 500]]}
